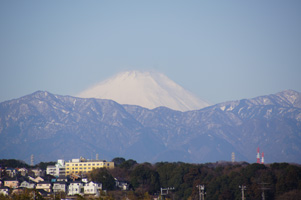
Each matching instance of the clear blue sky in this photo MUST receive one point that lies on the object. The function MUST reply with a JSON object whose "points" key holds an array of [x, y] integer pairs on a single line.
{"points": [[219, 50]]}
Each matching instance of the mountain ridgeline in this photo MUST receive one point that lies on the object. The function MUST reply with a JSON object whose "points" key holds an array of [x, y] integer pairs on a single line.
{"points": [[63, 127]]}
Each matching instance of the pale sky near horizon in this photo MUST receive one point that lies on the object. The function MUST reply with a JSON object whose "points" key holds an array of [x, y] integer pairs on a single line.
{"points": [[218, 50]]}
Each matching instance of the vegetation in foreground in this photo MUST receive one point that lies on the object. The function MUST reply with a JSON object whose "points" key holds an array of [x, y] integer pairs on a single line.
{"points": [[221, 180]]}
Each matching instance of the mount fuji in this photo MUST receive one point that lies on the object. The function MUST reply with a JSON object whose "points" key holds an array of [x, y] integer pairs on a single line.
{"points": [[146, 89]]}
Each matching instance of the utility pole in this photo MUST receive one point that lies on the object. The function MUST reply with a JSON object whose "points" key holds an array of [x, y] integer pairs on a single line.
{"points": [[263, 188], [201, 191], [243, 188], [164, 191]]}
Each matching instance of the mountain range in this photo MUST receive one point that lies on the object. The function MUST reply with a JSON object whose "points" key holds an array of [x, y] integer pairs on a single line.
{"points": [[55, 127]]}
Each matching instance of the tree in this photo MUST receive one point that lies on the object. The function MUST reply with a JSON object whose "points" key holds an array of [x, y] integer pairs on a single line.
{"points": [[118, 161], [128, 164], [102, 175], [145, 179]]}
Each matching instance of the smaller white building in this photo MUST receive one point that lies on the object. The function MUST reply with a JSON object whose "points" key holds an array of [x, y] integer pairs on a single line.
{"points": [[123, 185], [23, 171], [92, 188], [76, 187], [38, 172], [4, 191], [59, 187], [56, 170], [44, 185], [28, 185]]}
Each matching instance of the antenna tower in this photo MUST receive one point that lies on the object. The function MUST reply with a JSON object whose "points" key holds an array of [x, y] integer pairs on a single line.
{"points": [[233, 157], [31, 160], [258, 156], [262, 158]]}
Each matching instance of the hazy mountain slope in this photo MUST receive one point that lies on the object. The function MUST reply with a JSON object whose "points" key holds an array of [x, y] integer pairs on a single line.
{"points": [[52, 127], [146, 89], [270, 122], [58, 125]]}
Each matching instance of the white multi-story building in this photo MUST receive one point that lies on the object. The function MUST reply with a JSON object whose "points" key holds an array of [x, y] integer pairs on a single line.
{"points": [[56, 170]]}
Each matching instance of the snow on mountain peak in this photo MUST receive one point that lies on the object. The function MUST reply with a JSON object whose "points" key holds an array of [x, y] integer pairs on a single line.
{"points": [[146, 89]]}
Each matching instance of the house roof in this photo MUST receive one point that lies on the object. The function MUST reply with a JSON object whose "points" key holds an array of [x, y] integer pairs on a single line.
{"points": [[44, 182], [76, 182], [43, 192], [60, 182], [10, 179]]}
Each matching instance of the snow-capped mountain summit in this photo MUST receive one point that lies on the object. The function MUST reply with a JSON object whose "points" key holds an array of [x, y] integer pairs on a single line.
{"points": [[146, 89]]}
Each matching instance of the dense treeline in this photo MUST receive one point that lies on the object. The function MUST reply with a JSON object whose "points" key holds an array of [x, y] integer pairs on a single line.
{"points": [[221, 180], [279, 181], [13, 163]]}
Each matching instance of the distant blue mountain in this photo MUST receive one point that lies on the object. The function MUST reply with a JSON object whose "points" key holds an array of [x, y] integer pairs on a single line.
{"points": [[55, 127]]}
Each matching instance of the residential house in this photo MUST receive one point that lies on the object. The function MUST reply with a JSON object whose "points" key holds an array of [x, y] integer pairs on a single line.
{"points": [[92, 188], [37, 172], [36, 180], [123, 185], [85, 180], [76, 187], [44, 185], [59, 186], [12, 183], [23, 171], [62, 178], [29, 185], [11, 172], [4, 190]]}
